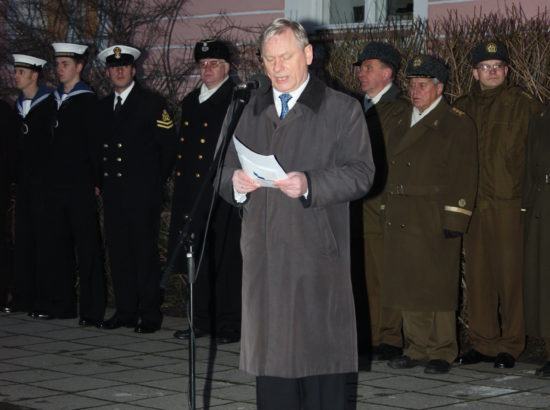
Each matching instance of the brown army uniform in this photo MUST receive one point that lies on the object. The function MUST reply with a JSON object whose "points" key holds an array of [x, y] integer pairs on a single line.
{"points": [[385, 321], [494, 242], [536, 202], [431, 188]]}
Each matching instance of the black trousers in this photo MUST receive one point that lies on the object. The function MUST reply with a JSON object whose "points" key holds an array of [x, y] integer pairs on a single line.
{"points": [[132, 241], [5, 257], [323, 392]]}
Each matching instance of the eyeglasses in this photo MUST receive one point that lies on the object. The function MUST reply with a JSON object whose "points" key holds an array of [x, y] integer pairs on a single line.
{"points": [[488, 67], [210, 63]]}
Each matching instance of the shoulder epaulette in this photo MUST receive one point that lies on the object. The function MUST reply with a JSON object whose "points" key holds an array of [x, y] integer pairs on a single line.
{"points": [[457, 111]]}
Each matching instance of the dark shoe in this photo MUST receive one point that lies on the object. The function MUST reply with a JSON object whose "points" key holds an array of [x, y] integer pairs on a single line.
{"points": [[544, 371], [505, 361], [90, 322], [472, 356], [403, 362], [33, 314], [184, 334], [146, 328], [386, 352], [115, 323], [437, 366], [6, 309], [45, 316], [226, 339]]}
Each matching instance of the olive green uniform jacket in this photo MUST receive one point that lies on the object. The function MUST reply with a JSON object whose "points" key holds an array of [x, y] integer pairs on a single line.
{"points": [[431, 188], [536, 201]]}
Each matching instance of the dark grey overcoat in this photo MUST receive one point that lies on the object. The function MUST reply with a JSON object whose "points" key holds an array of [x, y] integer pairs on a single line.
{"points": [[298, 310], [536, 202]]}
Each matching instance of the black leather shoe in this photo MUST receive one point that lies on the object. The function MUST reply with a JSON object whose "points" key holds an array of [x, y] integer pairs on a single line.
{"points": [[146, 328], [6, 309], [544, 371], [504, 361], [184, 334], [115, 323], [226, 339], [33, 314], [437, 366], [90, 322], [472, 356], [386, 352], [403, 362]]}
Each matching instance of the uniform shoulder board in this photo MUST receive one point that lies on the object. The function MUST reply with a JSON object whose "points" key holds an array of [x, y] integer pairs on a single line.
{"points": [[458, 112], [526, 94], [165, 121]]}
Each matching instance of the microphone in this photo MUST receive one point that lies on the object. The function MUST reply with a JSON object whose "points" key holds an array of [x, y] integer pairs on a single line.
{"points": [[258, 83]]}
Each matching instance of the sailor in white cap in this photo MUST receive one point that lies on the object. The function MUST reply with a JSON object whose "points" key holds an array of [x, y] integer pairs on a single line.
{"points": [[73, 177], [139, 142], [36, 107]]}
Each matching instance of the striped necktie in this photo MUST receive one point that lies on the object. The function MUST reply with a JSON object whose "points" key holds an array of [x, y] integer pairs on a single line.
{"points": [[285, 98]]}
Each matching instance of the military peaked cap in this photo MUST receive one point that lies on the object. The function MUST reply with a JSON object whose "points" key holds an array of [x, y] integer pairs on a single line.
{"points": [[489, 50], [381, 51], [427, 66], [211, 49], [119, 55]]}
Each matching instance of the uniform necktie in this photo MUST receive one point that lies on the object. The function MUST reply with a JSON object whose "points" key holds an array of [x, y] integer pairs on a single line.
{"points": [[367, 104], [118, 104], [285, 98]]}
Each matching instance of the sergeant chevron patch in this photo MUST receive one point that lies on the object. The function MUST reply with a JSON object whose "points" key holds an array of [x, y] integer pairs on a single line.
{"points": [[166, 121]]}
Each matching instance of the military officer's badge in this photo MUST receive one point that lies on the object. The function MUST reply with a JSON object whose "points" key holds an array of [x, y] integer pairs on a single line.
{"points": [[436, 123], [117, 52], [491, 48], [417, 62], [165, 121], [458, 112], [462, 202], [204, 48]]}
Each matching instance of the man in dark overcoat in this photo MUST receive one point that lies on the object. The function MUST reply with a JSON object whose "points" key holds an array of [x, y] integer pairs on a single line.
{"points": [[494, 243], [138, 157], [298, 328], [36, 107], [427, 205], [217, 289], [72, 175], [536, 203], [378, 64]]}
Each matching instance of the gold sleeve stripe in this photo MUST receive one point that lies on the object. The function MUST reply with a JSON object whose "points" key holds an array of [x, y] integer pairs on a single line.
{"points": [[457, 209], [165, 126]]}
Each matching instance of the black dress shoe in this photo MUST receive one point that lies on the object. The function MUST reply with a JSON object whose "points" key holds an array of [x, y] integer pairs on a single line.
{"points": [[226, 339], [504, 361], [184, 334], [472, 356], [386, 352], [544, 371], [90, 322], [403, 362], [114, 323], [437, 366], [6, 309], [33, 314], [146, 328]]}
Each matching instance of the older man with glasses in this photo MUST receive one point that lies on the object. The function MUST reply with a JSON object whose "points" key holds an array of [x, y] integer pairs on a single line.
{"points": [[494, 243]]}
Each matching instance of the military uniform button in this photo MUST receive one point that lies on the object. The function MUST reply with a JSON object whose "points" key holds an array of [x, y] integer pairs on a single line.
{"points": [[392, 162], [197, 175], [409, 164], [205, 124], [186, 123], [105, 174], [119, 159], [179, 156], [181, 139], [203, 140], [118, 174], [402, 225], [104, 159], [388, 223], [200, 156], [105, 145], [119, 145], [178, 174]]}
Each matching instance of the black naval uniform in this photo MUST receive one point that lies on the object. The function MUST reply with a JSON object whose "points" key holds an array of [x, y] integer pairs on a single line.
{"points": [[138, 156], [8, 124], [30, 286], [71, 206], [218, 286]]}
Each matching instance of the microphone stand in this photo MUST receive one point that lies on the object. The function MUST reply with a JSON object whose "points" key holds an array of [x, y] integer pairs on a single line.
{"points": [[240, 99]]}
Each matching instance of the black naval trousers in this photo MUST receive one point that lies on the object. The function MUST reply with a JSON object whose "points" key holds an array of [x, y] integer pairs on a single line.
{"points": [[132, 242]]}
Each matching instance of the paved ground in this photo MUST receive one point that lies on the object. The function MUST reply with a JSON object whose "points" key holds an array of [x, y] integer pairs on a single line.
{"points": [[56, 365]]}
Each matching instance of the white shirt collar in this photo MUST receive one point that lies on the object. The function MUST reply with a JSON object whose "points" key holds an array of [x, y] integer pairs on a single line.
{"points": [[292, 102], [378, 96], [123, 95], [206, 93], [417, 116]]}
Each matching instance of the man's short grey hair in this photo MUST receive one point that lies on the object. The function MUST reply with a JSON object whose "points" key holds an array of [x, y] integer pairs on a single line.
{"points": [[281, 24]]}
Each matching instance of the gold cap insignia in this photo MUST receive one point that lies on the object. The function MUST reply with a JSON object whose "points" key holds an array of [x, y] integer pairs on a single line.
{"points": [[117, 52], [204, 48], [491, 48], [462, 202], [417, 62]]}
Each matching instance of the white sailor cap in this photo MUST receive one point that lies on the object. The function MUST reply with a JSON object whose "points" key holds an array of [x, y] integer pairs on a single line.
{"points": [[26, 61], [69, 49], [119, 55]]}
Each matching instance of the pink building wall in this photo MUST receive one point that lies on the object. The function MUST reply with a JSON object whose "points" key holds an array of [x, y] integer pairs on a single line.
{"points": [[477, 7]]}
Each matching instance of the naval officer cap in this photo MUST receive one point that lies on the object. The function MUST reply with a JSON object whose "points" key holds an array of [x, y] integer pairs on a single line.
{"points": [[69, 50], [381, 51], [119, 55], [211, 48], [26, 61], [427, 66], [489, 50]]}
